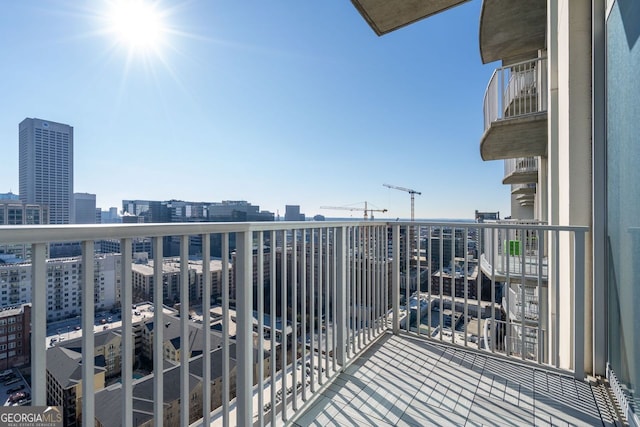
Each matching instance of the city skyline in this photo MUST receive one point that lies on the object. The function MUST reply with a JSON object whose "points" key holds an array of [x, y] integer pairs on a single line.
{"points": [[271, 104]]}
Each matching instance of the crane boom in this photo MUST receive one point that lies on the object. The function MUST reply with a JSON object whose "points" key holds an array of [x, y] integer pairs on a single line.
{"points": [[349, 208], [408, 190]]}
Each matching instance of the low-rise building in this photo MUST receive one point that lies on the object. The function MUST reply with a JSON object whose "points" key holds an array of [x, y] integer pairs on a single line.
{"points": [[64, 382], [15, 334]]}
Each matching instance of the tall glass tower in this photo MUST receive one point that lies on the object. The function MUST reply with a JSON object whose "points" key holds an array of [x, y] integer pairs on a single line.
{"points": [[46, 167]]}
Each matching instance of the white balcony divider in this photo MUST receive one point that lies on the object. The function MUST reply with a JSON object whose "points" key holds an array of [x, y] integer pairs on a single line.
{"points": [[516, 90], [322, 292]]}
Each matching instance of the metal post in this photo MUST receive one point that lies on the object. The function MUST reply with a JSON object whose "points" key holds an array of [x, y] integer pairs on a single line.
{"points": [[206, 328], [158, 333], [127, 332], [244, 333], [341, 299], [88, 312], [184, 330], [226, 380], [39, 324], [395, 280], [579, 304], [260, 361]]}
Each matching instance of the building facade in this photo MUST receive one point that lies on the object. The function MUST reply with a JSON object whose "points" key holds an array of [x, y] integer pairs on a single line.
{"points": [[15, 336], [84, 208], [46, 167], [64, 285], [15, 212]]}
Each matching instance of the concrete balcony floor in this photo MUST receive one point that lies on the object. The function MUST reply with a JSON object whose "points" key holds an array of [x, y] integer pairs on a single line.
{"points": [[408, 381]]}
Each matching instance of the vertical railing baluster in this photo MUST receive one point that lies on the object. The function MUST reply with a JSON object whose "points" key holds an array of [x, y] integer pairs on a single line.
{"points": [[429, 278], [506, 252], [285, 329], [418, 282], [320, 306], [303, 290], [359, 289], [272, 324], [312, 309], [523, 296], [206, 328], [294, 320], [244, 331], [158, 333], [260, 289], [578, 304], [395, 280], [453, 285], [495, 326], [184, 330], [327, 297], [407, 277], [334, 296], [441, 288], [556, 314], [340, 249], [127, 332], [88, 350], [543, 301], [466, 286], [226, 380], [39, 324], [353, 254]]}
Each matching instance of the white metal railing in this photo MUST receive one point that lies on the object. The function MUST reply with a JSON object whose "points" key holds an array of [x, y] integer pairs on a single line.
{"points": [[333, 288], [520, 165], [516, 90]]}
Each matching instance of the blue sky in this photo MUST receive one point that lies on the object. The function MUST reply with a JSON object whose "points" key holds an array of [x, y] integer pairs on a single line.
{"points": [[274, 102]]}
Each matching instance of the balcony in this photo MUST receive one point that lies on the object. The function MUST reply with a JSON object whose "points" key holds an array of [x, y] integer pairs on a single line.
{"points": [[354, 339], [520, 171], [512, 31], [515, 112], [386, 16]]}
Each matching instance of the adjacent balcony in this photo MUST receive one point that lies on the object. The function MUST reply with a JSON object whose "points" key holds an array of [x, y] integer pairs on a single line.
{"points": [[521, 170], [376, 323], [515, 112], [512, 31], [385, 16]]}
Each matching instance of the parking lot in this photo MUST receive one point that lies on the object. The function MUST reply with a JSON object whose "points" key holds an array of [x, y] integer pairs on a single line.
{"points": [[14, 390]]}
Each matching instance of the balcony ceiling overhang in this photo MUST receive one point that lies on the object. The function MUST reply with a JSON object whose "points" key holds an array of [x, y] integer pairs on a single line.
{"points": [[521, 177], [384, 16], [525, 198], [524, 190], [522, 136], [512, 29]]}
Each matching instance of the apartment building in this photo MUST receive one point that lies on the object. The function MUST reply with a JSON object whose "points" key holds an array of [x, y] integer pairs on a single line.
{"points": [[143, 280], [64, 284], [15, 334]]}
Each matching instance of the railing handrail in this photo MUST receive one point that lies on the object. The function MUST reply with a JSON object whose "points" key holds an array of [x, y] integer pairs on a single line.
{"points": [[61, 233]]}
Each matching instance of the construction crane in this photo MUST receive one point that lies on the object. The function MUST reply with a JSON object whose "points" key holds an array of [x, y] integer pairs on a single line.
{"points": [[408, 190], [347, 208]]}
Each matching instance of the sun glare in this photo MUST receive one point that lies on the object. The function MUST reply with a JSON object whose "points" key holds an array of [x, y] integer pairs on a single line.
{"points": [[136, 24]]}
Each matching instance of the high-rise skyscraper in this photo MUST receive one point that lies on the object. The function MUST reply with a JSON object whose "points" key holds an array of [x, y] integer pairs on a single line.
{"points": [[84, 208], [46, 167]]}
